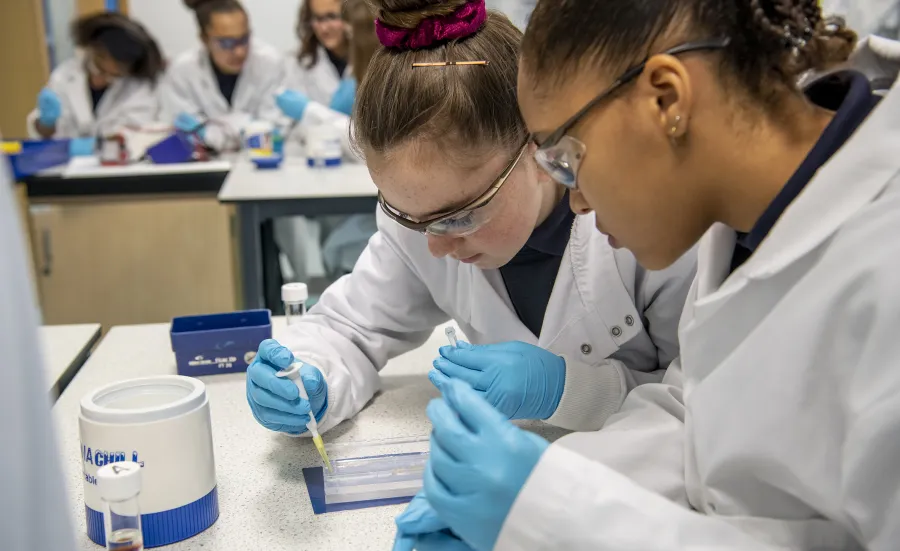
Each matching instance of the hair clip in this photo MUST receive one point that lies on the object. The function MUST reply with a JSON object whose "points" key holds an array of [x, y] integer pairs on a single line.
{"points": [[449, 63]]}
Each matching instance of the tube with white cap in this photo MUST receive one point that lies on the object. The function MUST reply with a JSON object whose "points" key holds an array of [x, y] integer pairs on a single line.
{"points": [[120, 485], [293, 373]]}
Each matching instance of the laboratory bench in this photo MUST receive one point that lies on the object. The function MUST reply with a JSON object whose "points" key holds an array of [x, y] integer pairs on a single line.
{"points": [[262, 495], [133, 244], [66, 348], [294, 189]]}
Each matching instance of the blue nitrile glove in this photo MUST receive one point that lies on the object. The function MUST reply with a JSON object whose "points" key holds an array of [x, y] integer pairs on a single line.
{"points": [[82, 147], [419, 527], [479, 463], [520, 380], [276, 402], [190, 124], [343, 98], [292, 103], [49, 108]]}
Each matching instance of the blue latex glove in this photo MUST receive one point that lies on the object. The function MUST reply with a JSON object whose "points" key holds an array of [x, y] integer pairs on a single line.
{"points": [[520, 380], [343, 98], [292, 103], [276, 402], [82, 147], [419, 527], [479, 463], [49, 108], [190, 124]]}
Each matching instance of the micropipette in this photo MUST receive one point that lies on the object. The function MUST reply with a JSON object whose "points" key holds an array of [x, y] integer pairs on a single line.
{"points": [[293, 373], [451, 336]]}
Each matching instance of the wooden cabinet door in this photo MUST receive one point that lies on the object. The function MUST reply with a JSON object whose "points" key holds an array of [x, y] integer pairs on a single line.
{"points": [[23, 62], [127, 261]]}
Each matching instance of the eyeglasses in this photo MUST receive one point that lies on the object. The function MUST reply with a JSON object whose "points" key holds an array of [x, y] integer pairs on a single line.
{"points": [[463, 221], [560, 155], [325, 18], [94, 68], [230, 43]]}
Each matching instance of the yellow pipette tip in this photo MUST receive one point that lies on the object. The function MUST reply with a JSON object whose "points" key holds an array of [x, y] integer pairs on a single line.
{"points": [[317, 440]]}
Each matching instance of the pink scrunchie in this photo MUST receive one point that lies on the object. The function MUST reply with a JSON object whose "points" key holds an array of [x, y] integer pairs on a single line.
{"points": [[462, 23]]}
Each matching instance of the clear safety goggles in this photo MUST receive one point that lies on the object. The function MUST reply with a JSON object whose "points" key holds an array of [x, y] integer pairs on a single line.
{"points": [[94, 69], [462, 221], [231, 43], [561, 155]]}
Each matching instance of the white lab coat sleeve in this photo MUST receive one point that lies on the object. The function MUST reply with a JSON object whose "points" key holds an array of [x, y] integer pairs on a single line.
{"points": [[139, 109], [570, 502], [35, 508], [175, 96], [380, 310]]}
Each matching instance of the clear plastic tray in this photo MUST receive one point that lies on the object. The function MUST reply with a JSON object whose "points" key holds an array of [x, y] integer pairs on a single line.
{"points": [[375, 469]]}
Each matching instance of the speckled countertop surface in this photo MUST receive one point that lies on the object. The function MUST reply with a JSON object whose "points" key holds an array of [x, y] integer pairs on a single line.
{"points": [[263, 500]]}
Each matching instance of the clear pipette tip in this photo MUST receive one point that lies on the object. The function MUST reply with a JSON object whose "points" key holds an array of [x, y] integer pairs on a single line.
{"points": [[293, 373], [451, 336]]}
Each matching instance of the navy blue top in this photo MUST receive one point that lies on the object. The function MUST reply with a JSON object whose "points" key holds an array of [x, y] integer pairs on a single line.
{"points": [[529, 277], [96, 96], [227, 83], [339, 63], [849, 94]]}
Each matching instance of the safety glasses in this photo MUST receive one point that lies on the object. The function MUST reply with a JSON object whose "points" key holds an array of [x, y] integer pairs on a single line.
{"points": [[230, 43], [322, 18], [560, 155], [463, 221]]}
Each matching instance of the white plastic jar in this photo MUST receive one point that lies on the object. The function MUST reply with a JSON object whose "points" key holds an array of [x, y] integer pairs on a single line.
{"points": [[163, 424], [323, 146]]}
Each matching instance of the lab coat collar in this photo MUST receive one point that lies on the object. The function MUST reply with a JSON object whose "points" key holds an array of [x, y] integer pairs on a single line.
{"points": [[212, 85], [853, 177], [80, 98]]}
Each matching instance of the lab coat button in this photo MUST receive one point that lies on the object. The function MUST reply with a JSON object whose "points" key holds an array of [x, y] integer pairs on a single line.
{"points": [[629, 320], [616, 331], [586, 349]]}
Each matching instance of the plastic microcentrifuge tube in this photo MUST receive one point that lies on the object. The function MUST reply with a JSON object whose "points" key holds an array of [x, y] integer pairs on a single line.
{"points": [[120, 485], [293, 373], [451, 336], [294, 296]]}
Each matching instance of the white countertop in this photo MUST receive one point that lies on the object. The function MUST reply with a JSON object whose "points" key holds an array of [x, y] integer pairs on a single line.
{"points": [[63, 345], [90, 167], [295, 180], [262, 496]]}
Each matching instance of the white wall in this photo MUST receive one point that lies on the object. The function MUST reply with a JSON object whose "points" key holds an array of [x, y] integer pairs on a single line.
{"points": [[175, 27], [273, 21], [59, 16]]}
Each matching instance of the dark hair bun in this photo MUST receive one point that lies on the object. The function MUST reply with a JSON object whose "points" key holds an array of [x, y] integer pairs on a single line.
{"points": [[408, 14], [197, 4]]}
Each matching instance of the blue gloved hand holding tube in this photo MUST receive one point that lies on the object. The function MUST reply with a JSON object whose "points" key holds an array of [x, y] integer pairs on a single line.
{"points": [[190, 124], [343, 99], [49, 108], [275, 402], [520, 380], [292, 103], [479, 463]]}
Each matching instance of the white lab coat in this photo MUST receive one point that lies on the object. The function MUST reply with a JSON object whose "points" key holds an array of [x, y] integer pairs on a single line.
{"points": [[312, 250], [190, 87], [35, 508], [614, 322], [779, 427], [129, 102], [318, 82]]}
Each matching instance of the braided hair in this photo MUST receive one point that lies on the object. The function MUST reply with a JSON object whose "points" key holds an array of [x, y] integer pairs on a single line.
{"points": [[772, 42]]}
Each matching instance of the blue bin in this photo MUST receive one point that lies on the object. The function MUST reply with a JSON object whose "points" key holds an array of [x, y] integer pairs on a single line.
{"points": [[38, 155], [219, 343], [177, 148]]}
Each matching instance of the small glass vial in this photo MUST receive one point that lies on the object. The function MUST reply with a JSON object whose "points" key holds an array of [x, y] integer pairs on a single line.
{"points": [[120, 486], [294, 296]]}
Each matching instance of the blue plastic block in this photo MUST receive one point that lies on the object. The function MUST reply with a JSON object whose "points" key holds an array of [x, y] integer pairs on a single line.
{"points": [[219, 343], [177, 148]]}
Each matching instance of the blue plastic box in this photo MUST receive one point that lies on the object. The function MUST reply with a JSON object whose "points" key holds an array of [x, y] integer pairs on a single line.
{"points": [[219, 343]]}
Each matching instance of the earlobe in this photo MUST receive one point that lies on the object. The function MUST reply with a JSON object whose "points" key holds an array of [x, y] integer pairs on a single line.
{"points": [[671, 86]]}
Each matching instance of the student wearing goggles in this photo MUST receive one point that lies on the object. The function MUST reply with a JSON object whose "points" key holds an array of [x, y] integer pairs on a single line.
{"points": [[229, 81]]}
